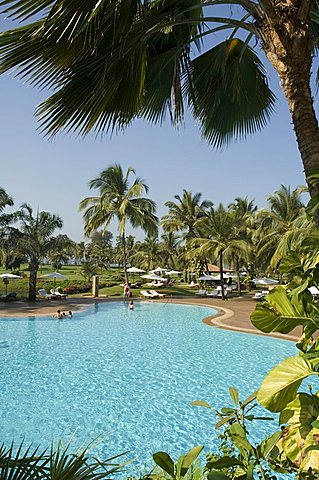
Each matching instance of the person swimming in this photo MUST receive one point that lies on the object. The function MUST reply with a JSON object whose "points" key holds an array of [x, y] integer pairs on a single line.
{"points": [[131, 305], [58, 315]]}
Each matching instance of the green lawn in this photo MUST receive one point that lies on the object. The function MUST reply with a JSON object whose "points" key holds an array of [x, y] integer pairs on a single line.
{"points": [[176, 290]]}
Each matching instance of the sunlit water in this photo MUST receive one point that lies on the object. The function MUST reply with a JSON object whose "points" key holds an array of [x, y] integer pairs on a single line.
{"points": [[129, 375]]}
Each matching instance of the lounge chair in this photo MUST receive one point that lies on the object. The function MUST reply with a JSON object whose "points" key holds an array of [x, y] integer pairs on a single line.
{"points": [[220, 293], [259, 296], [9, 297], [44, 294], [201, 293], [146, 294], [156, 294], [213, 293], [57, 293]]}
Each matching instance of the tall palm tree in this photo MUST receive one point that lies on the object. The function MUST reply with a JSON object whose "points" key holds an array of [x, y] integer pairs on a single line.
{"points": [[119, 199], [184, 214], [34, 239], [284, 224], [220, 237], [108, 65]]}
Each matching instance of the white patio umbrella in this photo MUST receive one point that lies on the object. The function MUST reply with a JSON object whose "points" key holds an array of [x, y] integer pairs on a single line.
{"points": [[159, 270], [55, 276], [135, 270], [206, 278], [7, 276], [152, 276]]}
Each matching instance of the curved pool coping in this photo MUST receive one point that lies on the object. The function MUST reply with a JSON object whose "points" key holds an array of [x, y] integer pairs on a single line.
{"points": [[219, 320]]}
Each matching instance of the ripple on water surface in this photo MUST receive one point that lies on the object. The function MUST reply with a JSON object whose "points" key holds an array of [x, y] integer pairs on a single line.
{"points": [[130, 375]]}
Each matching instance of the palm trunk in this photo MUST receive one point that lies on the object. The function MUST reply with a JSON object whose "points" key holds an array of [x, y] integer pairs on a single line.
{"points": [[289, 50], [221, 273], [238, 276], [33, 266], [123, 240]]}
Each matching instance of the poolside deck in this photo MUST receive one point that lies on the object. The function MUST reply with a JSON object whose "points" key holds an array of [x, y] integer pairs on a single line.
{"points": [[234, 313]]}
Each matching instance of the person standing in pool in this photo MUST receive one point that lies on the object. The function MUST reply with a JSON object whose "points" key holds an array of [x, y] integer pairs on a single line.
{"points": [[131, 305], [127, 291]]}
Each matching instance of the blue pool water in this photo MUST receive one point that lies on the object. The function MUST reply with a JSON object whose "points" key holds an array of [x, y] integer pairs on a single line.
{"points": [[129, 375]]}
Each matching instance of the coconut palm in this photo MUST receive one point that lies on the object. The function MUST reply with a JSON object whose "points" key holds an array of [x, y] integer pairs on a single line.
{"points": [[184, 214], [284, 224], [149, 254], [220, 237], [119, 199], [108, 65], [171, 249], [34, 240]]}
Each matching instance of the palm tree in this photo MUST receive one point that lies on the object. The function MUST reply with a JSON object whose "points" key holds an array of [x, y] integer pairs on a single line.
{"points": [[118, 199], [170, 243], [34, 240], [220, 237], [284, 224], [108, 65], [184, 214], [148, 254]]}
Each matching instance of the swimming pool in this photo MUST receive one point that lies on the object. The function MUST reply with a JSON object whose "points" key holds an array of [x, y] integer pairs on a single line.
{"points": [[129, 375]]}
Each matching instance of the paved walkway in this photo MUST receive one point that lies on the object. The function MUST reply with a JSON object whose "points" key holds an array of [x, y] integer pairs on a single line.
{"points": [[234, 313]]}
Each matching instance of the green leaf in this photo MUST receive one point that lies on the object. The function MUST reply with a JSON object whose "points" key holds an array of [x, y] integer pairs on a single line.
{"points": [[224, 462], [279, 313], [282, 382], [223, 421], [163, 460], [189, 459], [216, 475], [237, 429], [268, 444], [300, 437], [234, 395], [201, 403], [228, 411]]}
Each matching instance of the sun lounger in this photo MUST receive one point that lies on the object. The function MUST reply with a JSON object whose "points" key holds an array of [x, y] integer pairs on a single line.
{"points": [[147, 294], [156, 294], [213, 293], [44, 294], [259, 296], [9, 297], [55, 291], [201, 293]]}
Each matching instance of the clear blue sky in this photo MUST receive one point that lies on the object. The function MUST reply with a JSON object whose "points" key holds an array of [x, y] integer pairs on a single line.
{"points": [[53, 174]]}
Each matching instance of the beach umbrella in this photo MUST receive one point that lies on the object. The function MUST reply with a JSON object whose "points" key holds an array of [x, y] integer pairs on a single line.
{"points": [[6, 277], [206, 278], [153, 276], [135, 270], [159, 270], [55, 276]]}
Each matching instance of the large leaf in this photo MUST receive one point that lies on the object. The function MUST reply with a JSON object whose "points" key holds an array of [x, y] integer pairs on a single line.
{"points": [[280, 313], [189, 459], [224, 462], [282, 382], [300, 436], [163, 460]]}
